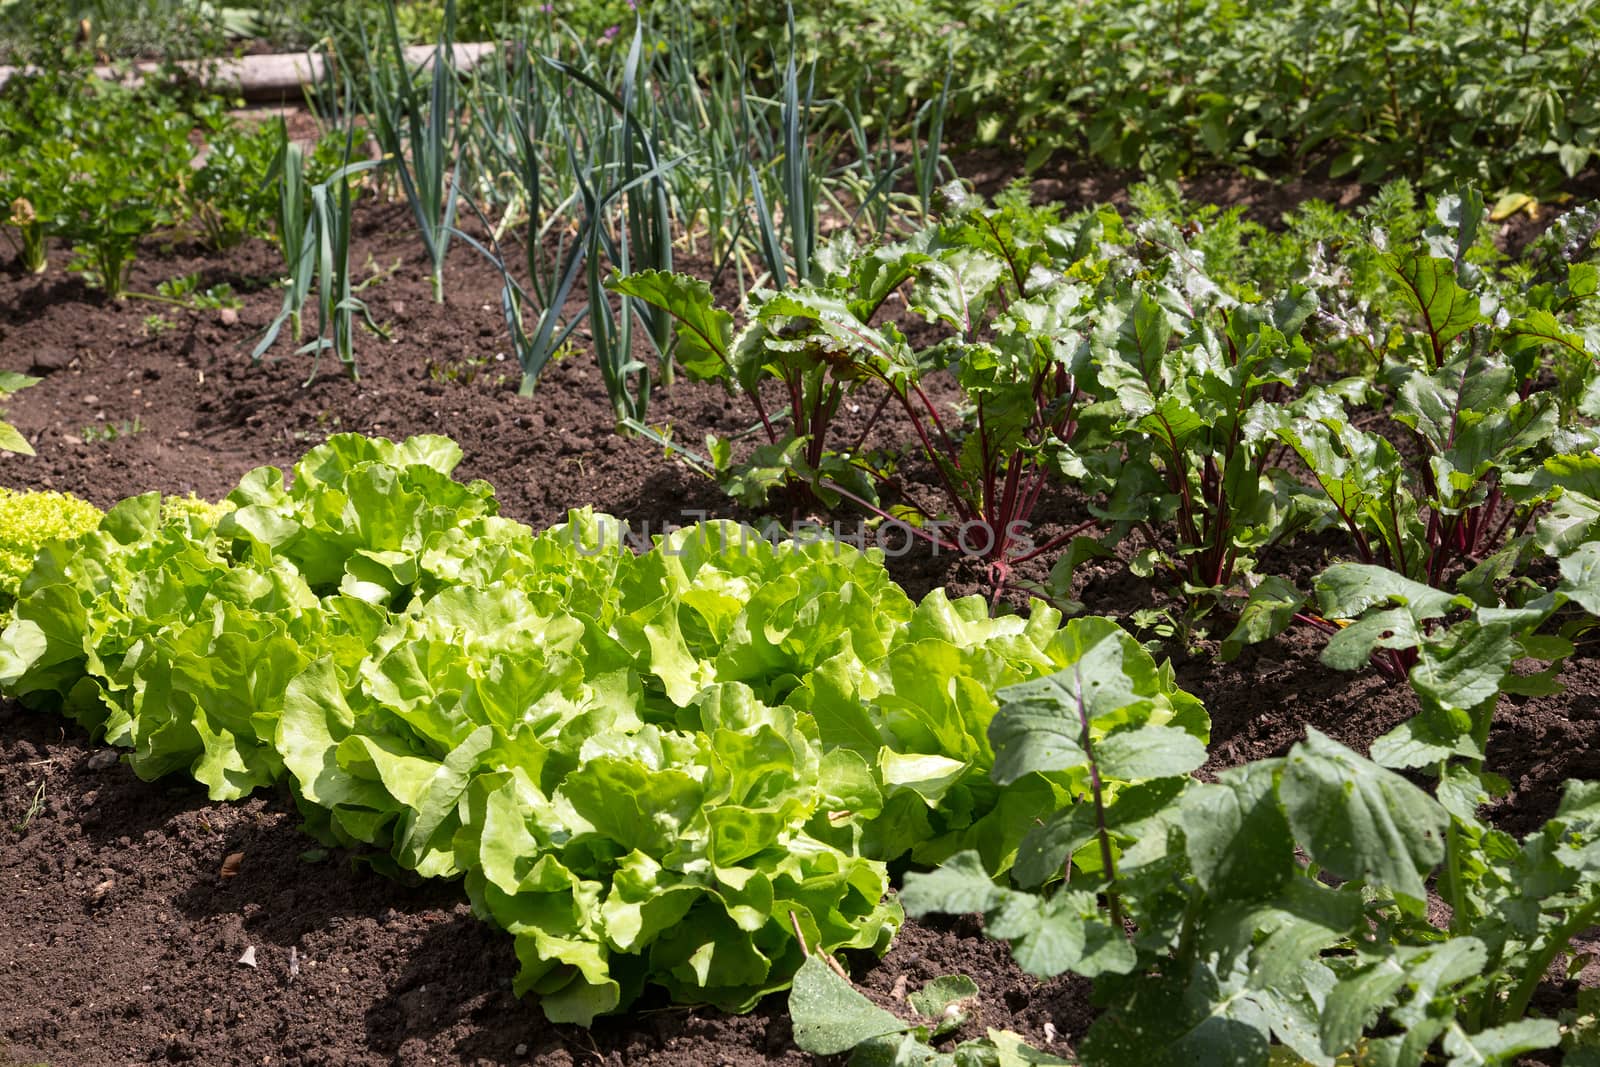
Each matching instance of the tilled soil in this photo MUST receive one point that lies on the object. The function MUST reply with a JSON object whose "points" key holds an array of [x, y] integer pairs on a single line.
{"points": [[128, 905]]}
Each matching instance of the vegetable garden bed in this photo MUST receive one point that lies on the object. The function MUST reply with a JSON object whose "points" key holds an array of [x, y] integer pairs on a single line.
{"points": [[130, 906], [148, 923], [123, 922]]}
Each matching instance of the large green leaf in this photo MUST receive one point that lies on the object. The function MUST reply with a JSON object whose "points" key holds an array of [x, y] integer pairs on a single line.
{"points": [[1112, 682], [1268, 612], [830, 1017], [1049, 935], [1178, 1020], [705, 332], [1349, 590], [1428, 284], [1497, 1045], [1129, 811], [1237, 838], [960, 886], [1359, 820]]}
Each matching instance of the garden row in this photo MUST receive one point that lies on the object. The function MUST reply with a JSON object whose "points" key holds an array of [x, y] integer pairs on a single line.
{"points": [[689, 767], [583, 155], [1435, 91], [1218, 396], [593, 156]]}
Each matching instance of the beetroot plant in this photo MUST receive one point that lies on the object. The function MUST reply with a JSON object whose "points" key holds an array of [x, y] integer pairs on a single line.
{"points": [[1199, 379], [1005, 326]]}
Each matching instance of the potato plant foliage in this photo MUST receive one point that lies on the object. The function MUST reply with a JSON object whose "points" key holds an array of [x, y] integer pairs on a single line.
{"points": [[651, 769], [1283, 904], [1437, 90]]}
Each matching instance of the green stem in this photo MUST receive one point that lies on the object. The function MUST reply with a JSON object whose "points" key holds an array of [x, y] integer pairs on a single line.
{"points": [[1107, 857], [1580, 920], [1452, 889], [155, 298]]}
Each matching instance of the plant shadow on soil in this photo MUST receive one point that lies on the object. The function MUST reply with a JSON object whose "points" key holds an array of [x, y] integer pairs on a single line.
{"points": [[146, 969]]}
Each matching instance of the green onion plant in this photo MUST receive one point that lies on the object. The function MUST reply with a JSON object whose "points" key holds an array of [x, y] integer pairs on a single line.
{"points": [[290, 218], [627, 218], [515, 106], [324, 251], [431, 135]]}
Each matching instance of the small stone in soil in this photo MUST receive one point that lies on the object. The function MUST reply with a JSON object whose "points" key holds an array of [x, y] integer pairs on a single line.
{"points": [[49, 360], [103, 760]]}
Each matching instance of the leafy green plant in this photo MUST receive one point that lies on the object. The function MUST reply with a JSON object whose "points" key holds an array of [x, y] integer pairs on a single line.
{"points": [[28, 521], [1438, 93], [1486, 374], [796, 451], [831, 1017], [191, 506], [115, 199], [184, 291], [231, 196], [169, 29], [32, 173], [11, 439], [1208, 934], [1456, 654], [105, 433], [1458, 374], [1011, 330], [1429, 521], [684, 768], [129, 171], [29, 239], [1198, 377]]}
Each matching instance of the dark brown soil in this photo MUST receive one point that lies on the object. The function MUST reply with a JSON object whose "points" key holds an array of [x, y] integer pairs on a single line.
{"points": [[120, 936]]}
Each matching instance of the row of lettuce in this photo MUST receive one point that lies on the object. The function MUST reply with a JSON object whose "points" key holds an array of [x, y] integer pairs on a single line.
{"points": [[650, 768], [690, 766]]}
